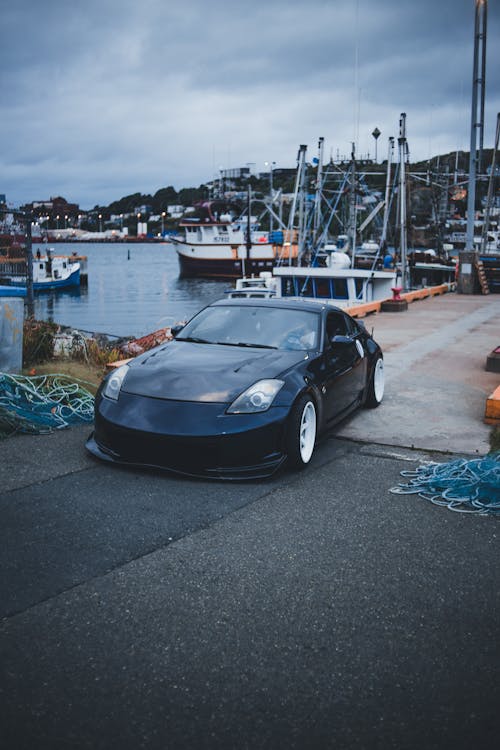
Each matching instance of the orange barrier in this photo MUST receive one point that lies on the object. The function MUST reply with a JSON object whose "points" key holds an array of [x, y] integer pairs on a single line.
{"points": [[359, 311], [492, 411]]}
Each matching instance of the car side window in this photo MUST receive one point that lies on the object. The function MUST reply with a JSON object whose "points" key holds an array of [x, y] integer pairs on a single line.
{"points": [[352, 326], [336, 325]]}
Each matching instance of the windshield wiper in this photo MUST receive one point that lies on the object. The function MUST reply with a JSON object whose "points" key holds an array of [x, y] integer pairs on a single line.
{"points": [[194, 340], [254, 346]]}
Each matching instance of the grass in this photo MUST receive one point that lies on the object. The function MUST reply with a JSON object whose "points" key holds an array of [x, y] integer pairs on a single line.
{"points": [[90, 374], [85, 359]]}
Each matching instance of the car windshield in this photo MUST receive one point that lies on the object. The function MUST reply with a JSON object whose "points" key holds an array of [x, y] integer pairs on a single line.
{"points": [[259, 326]]}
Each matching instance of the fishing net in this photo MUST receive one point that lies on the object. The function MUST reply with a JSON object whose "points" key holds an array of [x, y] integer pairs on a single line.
{"points": [[42, 403], [466, 486]]}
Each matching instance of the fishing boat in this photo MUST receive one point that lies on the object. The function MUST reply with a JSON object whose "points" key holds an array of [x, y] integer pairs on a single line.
{"points": [[49, 272], [55, 272], [335, 282], [220, 243]]}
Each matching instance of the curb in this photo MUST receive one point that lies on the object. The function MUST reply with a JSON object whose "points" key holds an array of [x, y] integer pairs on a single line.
{"points": [[359, 311]]}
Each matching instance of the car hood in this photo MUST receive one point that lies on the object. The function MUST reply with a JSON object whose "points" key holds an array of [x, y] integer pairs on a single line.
{"points": [[210, 373]]}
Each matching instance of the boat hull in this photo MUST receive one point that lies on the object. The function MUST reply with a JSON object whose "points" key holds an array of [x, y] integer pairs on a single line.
{"points": [[72, 280], [222, 268]]}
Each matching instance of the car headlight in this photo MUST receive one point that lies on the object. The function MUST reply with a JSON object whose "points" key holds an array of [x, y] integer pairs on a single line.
{"points": [[258, 397], [114, 382]]}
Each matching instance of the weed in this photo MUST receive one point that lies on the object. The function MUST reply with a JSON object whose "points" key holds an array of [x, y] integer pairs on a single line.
{"points": [[38, 341]]}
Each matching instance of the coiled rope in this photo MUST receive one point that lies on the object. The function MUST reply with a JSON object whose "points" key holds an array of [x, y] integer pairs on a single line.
{"points": [[43, 403], [465, 486]]}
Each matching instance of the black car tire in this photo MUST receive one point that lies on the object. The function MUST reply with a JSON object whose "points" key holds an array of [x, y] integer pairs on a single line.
{"points": [[375, 392], [301, 432]]}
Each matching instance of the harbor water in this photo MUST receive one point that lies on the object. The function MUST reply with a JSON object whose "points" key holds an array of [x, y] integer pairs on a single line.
{"points": [[133, 289]]}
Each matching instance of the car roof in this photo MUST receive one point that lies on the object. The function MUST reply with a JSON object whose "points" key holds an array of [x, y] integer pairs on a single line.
{"points": [[290, 303]]}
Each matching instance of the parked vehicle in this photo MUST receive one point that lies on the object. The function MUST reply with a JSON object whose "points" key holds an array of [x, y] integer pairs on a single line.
{"points": [[245, 386]]}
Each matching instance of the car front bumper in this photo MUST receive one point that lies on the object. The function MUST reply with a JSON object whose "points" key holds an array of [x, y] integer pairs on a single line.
{"points": [[194, 439]]}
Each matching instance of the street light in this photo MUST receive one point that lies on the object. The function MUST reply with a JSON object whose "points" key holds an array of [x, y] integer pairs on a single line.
{"points": [[100, 222], [139, 223], [65, 220], [376, 134], [162, 223]]}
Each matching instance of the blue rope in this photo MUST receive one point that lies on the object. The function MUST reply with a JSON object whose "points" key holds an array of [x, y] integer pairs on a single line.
{"points": [[41, 404], [464, 486]]}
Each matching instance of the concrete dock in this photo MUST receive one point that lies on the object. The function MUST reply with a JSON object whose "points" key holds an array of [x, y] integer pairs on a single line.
{"points": [[436, 382]]}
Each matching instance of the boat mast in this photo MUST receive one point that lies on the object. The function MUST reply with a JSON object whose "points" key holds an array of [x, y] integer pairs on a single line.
{"points": [[489, 199], [301, 159], [390, 152], [317, 206], [477, 118], [248, 234], [352, 211], [402, 200]]}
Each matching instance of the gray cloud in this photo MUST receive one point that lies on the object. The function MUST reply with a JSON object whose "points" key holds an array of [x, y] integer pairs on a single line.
{"points": [[105, 98]]}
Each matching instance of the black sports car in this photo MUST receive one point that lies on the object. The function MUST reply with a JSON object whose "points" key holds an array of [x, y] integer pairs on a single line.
{"points": [[243, 387]]}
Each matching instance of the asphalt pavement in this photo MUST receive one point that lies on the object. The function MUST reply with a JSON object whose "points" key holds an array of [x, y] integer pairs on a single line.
{"points": [[313, 610]]}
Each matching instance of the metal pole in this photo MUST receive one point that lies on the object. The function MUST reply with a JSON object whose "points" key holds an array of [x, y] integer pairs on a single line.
{"points": [[248, 232], [383, 239], [302, 215], [489, 199], [471, 193], [300, 161], [402, 201], [468, 257], [317, 198], [352, 207], [271, 189], [30, 297], [482, 82]]}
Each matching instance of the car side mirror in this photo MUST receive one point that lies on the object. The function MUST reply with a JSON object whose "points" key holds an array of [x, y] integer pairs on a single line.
{"points": [[175, 330], [340, 340]]}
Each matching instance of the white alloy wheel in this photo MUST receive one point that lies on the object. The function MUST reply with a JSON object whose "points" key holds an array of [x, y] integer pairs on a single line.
{"points": [[300, 437], [375, 392], [307, 432], [379, 380]]}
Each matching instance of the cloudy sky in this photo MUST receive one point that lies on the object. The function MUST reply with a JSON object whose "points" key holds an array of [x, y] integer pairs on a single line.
{"points": [[103, 98]]}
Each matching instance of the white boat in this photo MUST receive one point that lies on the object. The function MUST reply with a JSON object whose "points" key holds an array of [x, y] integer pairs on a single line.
{"points": [[218, 244], [55, 272], [263, 285], [345, 287]]}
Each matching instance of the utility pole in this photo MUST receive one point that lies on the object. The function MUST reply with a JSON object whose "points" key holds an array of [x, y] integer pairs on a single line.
{"points": [[468, 258], [376, 134], [402, 201], [30, 298], [383, 239]]}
